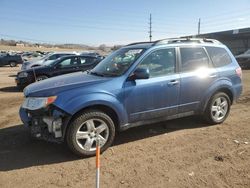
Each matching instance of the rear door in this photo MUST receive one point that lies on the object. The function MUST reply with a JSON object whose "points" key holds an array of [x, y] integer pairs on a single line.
{"points": [[87, 63], [196, 74]]}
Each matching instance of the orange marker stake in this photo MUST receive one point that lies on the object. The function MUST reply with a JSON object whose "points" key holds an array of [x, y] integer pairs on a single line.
{"points": [[97, 163]]}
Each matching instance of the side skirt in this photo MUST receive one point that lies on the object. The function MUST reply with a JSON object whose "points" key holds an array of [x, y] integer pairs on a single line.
{"points": [[161, 119]]}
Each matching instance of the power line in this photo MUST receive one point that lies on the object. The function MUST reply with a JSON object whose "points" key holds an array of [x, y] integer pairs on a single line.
{"points": [[26, 38]]}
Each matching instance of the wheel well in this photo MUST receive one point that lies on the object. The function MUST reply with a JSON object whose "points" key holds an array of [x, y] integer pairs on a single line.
{"points": [[224, 90], [228, 92], [109, 111], [42, 75], [12, 61]]}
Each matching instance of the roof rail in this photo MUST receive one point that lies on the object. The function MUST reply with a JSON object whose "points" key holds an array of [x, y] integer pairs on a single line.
{"points": [[178, 40], [185, 40], [139, 43]]}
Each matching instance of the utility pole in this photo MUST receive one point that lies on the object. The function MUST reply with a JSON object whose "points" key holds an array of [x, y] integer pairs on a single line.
{"points": [[150, 28], [199, 26]]}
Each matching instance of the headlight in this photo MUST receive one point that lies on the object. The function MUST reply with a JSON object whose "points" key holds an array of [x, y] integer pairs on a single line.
{"points": [[22, 74], [35, 103]]}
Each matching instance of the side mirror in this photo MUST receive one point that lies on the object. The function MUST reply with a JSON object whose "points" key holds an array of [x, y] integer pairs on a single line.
{"points": [[58, 66], [140, 73]]}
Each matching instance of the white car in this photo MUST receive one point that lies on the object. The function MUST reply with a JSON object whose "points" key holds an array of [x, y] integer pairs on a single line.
{"points": [[244, 59], [48, 58]]}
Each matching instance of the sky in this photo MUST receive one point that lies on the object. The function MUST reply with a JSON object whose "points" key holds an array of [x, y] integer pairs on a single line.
{"points": [[113, 22]]}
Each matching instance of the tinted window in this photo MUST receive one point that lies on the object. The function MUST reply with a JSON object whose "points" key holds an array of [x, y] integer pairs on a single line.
{"points": [[219, 56], [69, 62], [56, 56], [87, 60], [61, 55], [52, 57], [193, 58], [160, 62]]}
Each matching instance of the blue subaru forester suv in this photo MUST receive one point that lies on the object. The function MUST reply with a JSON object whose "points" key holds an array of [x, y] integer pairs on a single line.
{"points": [[138, 84]]}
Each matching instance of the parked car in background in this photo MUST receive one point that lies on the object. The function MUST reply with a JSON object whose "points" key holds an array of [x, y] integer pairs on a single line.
{"points": [[31, 55], [244, 59], [46, 59], [138, 84], [63, 65], [95, 54], [11, 60]]}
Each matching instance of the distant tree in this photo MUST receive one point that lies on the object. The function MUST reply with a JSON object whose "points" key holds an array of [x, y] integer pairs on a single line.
{"points": [[103, 47], [116, 47]]}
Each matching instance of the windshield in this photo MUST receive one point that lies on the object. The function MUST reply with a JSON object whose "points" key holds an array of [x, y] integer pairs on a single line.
{"points": [[45, 57], [118, 62], [51, 62]]}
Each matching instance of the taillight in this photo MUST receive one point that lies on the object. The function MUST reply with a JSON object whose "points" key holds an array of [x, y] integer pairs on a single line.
{"points": [[239, 72]]}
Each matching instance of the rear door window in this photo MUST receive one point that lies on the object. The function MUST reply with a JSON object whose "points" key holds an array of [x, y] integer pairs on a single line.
{"points": [[69, 62], [193, 59], [87, 60], [219, 56]]}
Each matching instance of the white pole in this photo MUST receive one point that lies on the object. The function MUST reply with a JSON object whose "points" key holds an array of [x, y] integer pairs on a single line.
{"points": [[97, 162]]}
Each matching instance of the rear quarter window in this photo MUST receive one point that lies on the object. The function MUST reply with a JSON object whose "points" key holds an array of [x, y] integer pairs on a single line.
{"points": [[219, 56]]}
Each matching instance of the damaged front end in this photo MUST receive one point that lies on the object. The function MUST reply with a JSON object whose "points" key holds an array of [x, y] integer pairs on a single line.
{"points": [[45, 120]]}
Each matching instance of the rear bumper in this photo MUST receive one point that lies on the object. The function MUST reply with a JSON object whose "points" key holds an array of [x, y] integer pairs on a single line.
{"points": [[237, 91]]}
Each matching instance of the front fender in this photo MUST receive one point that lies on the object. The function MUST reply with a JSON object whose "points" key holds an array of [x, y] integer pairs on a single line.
{"points": [[77, 103]]}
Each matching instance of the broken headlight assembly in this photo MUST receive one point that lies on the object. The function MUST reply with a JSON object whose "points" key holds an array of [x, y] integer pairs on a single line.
{"points": [[36, 103]]}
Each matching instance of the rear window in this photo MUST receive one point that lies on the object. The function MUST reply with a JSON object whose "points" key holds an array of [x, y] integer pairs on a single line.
{"points": [[219, 56]]}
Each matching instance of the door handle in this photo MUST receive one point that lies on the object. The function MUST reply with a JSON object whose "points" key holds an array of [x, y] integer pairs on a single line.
{"points": [[173, 82]]}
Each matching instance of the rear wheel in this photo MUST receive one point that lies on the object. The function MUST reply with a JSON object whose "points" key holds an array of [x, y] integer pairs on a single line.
{"points": [[86, 128], [42, 77], [218, 108], [13, 64]]}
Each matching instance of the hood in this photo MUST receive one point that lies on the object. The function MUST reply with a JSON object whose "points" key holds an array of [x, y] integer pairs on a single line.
{"points": [[55, 85]]}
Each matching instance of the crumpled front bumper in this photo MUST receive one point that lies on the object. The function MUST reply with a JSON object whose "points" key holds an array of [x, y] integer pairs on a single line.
{"points": [[47, 124]]}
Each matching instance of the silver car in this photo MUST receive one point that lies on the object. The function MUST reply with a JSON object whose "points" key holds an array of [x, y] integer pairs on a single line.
{"points": [[46, 59]]}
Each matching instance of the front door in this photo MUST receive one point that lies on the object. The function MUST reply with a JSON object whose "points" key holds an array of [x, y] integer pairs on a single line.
{"points": [[157, 96], [67, 65], [87, 63]]}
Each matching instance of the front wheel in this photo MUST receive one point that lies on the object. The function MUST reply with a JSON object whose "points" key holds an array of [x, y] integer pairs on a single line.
{"points": [[218, 108], [86, 128]]}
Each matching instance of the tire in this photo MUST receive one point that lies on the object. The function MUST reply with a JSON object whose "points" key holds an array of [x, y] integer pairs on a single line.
{"points": [[42, 77], [83, 131], [217, 108], [13, 64]]}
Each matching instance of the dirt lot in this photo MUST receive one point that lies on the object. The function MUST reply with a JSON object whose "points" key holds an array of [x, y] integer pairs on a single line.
{"points": [[178, 153]]}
